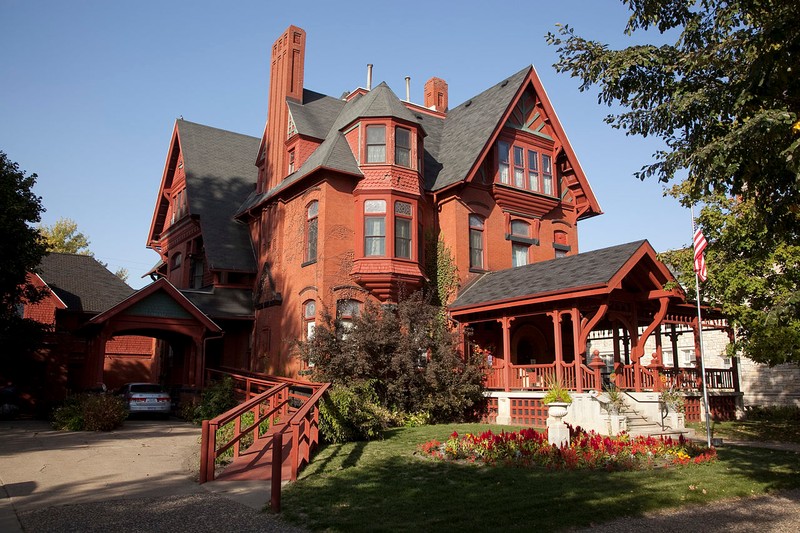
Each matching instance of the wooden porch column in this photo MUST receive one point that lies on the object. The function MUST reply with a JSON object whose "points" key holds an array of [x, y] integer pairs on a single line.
{"points": [[556, 316], [577, 348], [201, 362], [506, 323], [615, 335], [673, 337], [95, 363]]}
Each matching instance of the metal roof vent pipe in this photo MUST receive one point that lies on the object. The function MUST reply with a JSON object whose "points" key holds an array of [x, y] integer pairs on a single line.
{"points": [[408, 88], [369, 76]]}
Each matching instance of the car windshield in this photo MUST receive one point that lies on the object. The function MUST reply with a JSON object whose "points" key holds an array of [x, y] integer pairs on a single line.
{"points": [[147, 387]]}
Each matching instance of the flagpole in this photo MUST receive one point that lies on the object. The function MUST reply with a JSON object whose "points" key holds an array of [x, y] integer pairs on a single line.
{"points": [[702, 351]]}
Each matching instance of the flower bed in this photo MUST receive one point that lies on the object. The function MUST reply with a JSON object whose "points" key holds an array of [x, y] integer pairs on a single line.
{"points": [[585, 450]]}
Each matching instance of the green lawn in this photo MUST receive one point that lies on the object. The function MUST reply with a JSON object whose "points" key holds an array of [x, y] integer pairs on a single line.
{"points": [[384, 486], [763, 430]]}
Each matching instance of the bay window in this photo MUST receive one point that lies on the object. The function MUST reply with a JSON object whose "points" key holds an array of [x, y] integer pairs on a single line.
{"points": [[547, 174], [376, 144], [402, 230], [375, 227], [402, 147], [502, 157], [532, 169]]}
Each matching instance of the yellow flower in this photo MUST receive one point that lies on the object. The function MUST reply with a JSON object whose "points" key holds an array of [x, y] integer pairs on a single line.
{"points": [[796, 127]]}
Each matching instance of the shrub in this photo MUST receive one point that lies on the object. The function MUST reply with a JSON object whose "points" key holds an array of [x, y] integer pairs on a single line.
{"points": [[90, 412], [406, 353], [773, 413], [216, 399], [350, 413]]}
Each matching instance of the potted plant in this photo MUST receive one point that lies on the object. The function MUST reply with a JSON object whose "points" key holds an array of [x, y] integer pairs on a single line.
{"points": [[557, 399], [617, 422], [672, 406]]}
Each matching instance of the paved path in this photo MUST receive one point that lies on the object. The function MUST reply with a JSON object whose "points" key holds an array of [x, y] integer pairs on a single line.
{"points": [[139, 478]]}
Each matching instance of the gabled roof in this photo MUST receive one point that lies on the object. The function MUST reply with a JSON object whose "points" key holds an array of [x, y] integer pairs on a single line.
{"points": [[81, 282], [219, 174], [469, 128], [602, 269], [167, 302]]}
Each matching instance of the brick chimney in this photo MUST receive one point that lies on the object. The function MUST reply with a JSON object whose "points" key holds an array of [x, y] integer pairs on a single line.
{"points": [[436, 94], [285, 81]]}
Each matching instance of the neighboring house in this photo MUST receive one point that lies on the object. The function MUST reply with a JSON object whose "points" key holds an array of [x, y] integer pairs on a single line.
{"points": [[341, 202], [78, 288]]}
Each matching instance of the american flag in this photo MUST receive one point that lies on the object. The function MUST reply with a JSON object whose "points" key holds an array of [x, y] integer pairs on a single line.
{"points": [[700, 244]]}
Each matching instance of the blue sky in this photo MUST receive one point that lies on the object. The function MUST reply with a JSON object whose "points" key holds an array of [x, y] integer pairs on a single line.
{"points": [[89, 92]]}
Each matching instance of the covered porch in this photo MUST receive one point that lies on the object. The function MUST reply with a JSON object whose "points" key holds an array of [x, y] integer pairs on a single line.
{"points": [[533, 324]]}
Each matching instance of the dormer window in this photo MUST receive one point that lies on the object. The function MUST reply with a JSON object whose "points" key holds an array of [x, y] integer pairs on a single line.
{"points": [[532, 169], [376, 144], [402, 147]]}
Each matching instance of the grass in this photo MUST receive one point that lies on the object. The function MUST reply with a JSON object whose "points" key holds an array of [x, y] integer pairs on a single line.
{"points": [[762, 430], [385, 486]]}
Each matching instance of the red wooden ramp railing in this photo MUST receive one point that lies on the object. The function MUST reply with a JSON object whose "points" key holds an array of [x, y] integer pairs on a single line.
{"points": [[275, 442]]}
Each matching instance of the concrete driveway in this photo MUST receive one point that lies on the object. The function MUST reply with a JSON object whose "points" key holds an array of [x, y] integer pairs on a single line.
{"points": [[141, 477]]}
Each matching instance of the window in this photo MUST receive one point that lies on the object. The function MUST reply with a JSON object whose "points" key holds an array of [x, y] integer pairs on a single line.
{"points": [[475, 242], [375, 228], [533, 171], [376, 144], [198, 269], [291, 161], [177, 260], [309, 315], [346, 310], [519, 167], [547, 174], [519, 250], [402, 230], [312, 229], [502, 156], [402, 147]]}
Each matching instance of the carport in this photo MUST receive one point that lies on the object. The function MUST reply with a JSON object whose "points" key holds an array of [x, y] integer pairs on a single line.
{"points": [[160, 311]]}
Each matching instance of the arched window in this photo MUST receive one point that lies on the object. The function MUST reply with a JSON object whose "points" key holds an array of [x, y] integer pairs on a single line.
{"points": [[309, 316], [476, 242], [312, 229], [346, 311]]}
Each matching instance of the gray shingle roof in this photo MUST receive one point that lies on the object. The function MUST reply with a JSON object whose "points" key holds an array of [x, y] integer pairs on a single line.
{"points": [[223, 303], [554, 276], [82, 283], [316, 115], [468, 128], [220, 174]]}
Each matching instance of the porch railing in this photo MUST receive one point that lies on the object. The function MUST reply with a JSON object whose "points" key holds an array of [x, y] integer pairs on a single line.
{"points": [[627, 377], [285, 411]]}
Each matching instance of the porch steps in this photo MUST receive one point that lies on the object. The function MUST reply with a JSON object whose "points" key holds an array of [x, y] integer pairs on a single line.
{"points": [[640, 425]]}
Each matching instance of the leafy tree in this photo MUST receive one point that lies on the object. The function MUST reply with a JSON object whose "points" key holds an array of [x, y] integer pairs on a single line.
{"points": [[64, 237], [754, 285], [404, 354], [21, 250], [725, 99]]}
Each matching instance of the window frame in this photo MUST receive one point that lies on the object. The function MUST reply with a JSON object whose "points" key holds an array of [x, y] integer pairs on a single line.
{"points": [[368, 143], [310, 320], [479, 230], [523, 162], [312, 224], [406, 149], [407, 220], [520, 241], [368, 237]]}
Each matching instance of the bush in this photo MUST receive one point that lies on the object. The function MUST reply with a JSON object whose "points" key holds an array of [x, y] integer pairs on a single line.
{"points": [[90, 412], [407, 354], [773, 413], [216, 399], [351, 413]]}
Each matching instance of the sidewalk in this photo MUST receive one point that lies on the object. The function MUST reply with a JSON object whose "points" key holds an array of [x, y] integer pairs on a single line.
{"points": [[142, 475]]}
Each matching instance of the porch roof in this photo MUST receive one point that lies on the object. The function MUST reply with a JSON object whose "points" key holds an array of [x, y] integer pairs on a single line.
{"points": [[601, 270]]}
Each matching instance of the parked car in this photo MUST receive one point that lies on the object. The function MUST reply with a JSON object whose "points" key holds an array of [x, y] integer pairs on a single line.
{"points": [[146, 398]]}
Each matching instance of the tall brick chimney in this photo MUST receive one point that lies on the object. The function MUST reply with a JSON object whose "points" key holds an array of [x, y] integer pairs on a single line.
{"points": [[436, 94], [285, 81]]}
